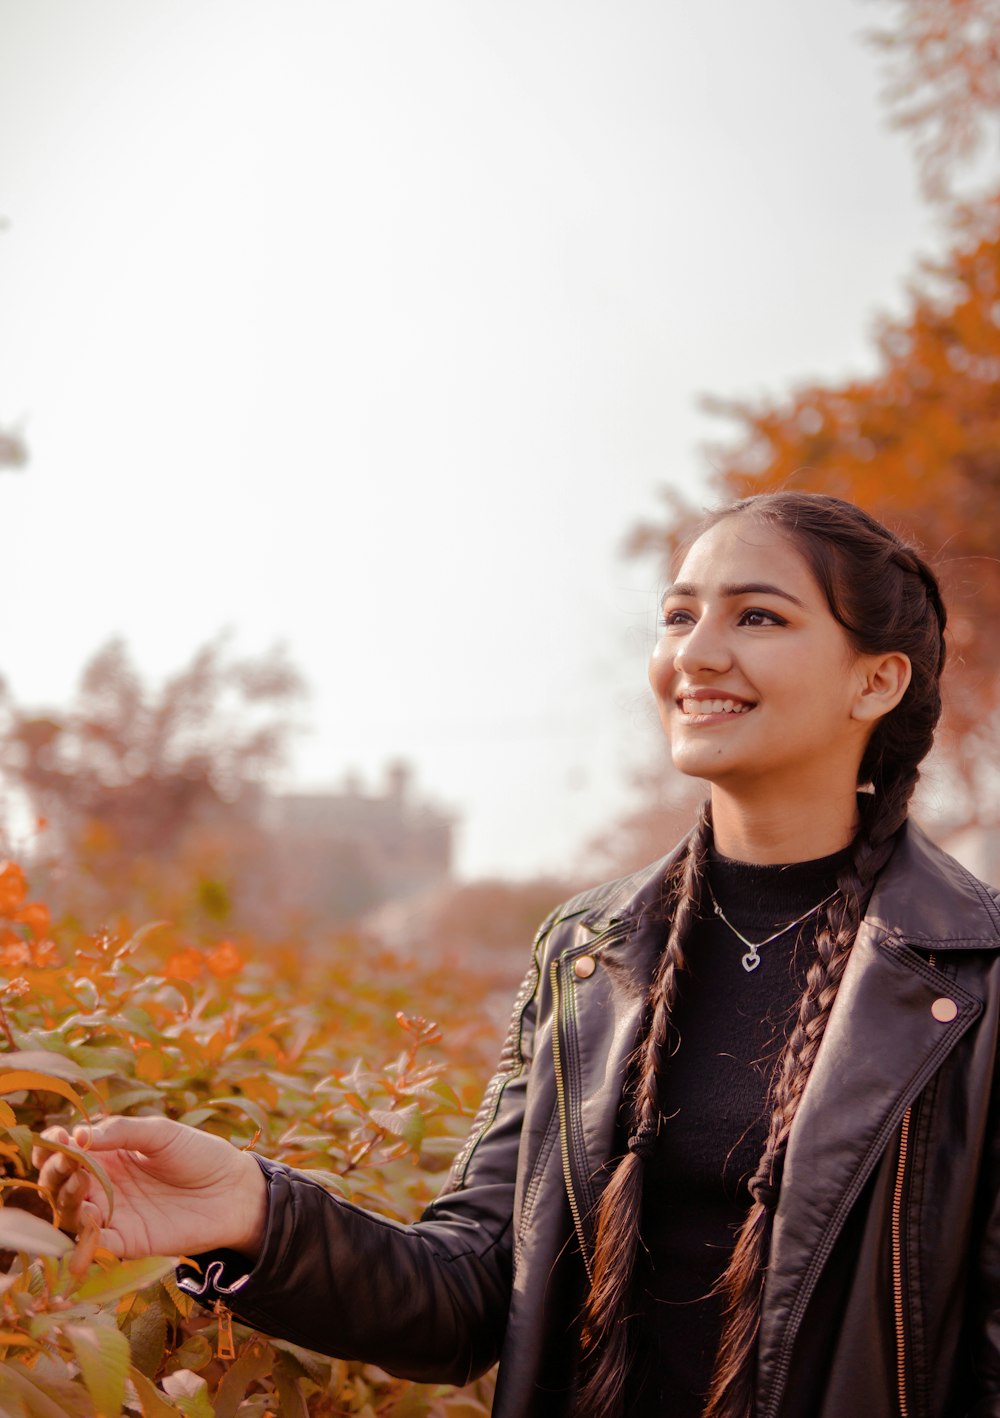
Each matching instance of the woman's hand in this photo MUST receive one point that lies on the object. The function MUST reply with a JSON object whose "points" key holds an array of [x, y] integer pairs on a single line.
{"points": [[177, 1190]]}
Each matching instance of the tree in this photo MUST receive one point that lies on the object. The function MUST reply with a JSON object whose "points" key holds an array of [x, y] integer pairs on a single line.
{"points": [[943, 81], [127, 774]]}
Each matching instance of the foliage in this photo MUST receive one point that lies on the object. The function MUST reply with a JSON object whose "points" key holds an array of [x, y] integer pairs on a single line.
{"points": [[918, 444], [264, 1048], [943, 83]]}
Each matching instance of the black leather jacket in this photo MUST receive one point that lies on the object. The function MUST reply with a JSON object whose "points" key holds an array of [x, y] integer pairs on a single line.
{"points": [[883, 1289]]}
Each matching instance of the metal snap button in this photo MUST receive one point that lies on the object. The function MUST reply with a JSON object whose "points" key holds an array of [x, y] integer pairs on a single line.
{"points": [[584, 966], [944, 1010]]}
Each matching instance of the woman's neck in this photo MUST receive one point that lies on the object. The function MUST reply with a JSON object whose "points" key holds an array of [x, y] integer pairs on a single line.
{"points": [[801, 831]]}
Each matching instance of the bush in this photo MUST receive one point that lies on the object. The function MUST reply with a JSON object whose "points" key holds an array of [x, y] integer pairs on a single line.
{"points": [[266, 1048]]}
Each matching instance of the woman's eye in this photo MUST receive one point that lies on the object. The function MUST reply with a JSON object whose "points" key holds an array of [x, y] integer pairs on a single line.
{"points": [[753, 615], [675, 617]]}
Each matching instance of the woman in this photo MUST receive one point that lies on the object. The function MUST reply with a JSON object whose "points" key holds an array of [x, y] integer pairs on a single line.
{"points": [[787, 1028]]}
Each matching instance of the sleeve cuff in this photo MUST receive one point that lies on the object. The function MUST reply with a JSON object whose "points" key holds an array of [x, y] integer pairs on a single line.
{"points": [[215, 1275]]}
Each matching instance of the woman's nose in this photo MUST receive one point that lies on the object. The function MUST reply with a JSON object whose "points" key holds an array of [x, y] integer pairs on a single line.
{"points": [[703, 648]]}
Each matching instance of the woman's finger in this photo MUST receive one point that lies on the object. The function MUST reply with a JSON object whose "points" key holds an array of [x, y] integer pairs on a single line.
{"points": [[40, 1153]]}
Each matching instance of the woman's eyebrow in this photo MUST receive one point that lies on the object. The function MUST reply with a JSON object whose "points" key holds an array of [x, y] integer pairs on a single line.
{"points": [[747, 588]]}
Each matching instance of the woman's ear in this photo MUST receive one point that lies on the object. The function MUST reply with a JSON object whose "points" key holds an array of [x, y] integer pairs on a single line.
{"points": [[882, 681]]}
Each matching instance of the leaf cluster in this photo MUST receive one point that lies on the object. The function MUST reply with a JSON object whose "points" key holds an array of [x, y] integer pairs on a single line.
{"points": [[264, 1047]]}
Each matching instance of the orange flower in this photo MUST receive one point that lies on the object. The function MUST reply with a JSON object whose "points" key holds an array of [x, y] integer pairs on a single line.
{"points": [[15, 954], [46, 954], [34, 915], [225, 959], [13, 888], [186, 964]]}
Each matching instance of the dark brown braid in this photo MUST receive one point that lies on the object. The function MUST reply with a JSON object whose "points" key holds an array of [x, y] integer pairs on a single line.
{"points": [[888, 600], [606, 1347]]}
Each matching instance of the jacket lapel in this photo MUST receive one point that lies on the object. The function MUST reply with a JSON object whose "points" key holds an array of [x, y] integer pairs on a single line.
{"points": [[882, 1045], [598, 1026]]}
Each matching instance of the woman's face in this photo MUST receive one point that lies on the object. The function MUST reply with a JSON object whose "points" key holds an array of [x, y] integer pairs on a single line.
{"points": [[755, 681]]}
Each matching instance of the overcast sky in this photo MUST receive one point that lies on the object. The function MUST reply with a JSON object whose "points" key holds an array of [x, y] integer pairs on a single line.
{"points": [[374, 327]]}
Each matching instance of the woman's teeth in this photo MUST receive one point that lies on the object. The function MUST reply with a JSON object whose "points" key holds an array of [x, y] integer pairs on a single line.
{"points": [[714, 706]]}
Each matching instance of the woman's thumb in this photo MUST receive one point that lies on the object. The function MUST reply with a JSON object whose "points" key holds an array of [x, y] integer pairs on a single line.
{"points": [[125, 1134]]}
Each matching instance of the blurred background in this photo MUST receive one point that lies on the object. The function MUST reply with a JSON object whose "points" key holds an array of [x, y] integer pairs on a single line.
{"points": [[361, 362]]}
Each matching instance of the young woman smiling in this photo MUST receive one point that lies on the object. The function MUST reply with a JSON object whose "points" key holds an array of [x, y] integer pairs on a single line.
{"points": [[741, 1155]]}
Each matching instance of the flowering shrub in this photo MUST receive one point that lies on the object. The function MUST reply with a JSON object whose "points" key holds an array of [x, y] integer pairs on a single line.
{"points": [[267, 1049]]}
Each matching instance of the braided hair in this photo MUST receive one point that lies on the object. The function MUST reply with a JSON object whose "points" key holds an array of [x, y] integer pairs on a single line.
{"points": [[887, 599]]}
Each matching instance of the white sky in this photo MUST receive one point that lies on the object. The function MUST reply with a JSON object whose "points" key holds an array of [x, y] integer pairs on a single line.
{"points": [[374, 327]]}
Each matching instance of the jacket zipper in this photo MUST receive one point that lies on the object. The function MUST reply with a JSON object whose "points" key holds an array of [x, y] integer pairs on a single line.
{"points": [[899, 1309], [564, 1119], [225, 1348], [897, 1266]]}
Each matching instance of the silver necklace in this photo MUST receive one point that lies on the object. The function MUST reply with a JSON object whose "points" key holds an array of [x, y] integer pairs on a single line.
{"points": [[751, 960]]}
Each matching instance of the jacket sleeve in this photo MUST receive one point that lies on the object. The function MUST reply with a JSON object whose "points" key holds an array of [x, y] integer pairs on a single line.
{"points": [[426, 1301]]}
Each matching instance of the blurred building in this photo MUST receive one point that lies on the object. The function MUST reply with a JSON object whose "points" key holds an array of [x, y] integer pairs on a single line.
{"points": [[344, 852]]}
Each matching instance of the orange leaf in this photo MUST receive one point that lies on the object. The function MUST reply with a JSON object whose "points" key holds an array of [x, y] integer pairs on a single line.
{"points": [[34, 915], [225, 959], [150, 1066], [13, 888], [186, 964], [46, 955], [15, 954], [19, 1079]]}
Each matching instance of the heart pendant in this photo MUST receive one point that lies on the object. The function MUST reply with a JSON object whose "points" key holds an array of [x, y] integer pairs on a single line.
{"points": [[750, 961]]}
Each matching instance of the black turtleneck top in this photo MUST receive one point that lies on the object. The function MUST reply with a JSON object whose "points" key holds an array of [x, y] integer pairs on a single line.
{"points": [[732, 1025]]}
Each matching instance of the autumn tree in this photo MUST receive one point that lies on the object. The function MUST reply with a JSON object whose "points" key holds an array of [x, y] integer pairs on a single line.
{"points": [[942, 63], [128, 776]]}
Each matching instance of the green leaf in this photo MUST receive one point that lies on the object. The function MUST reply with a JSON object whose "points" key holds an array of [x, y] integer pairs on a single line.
{"points": [[134, 1020], [21, 1392], [98, 1061], [44, 1061], [147, 1338], [327, 1179], [194, 1354], [124, 1279], [183, 1303], [140, 936], [290, 1397], [103, 1355], [197, 1116], [406, 1123], [21, 1231], [191, 1392], [254, 1111], [120, 1102], [253, 1364], [154, 1404]]}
